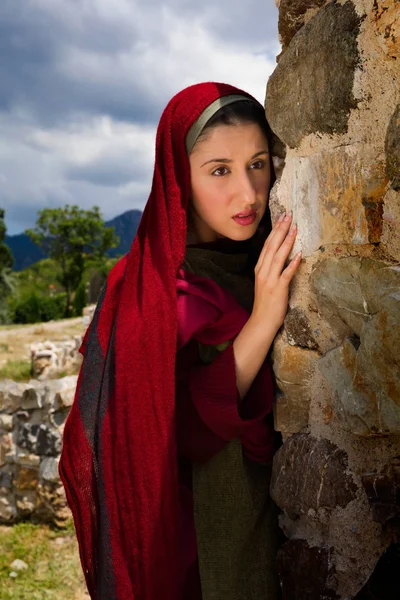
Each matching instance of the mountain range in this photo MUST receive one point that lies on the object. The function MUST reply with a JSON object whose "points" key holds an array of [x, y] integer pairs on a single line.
{"points": [[26, 253]]}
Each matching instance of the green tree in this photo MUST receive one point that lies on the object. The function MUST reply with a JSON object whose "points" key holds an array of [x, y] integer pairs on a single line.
{"points": [[80, 299], [7, 281], [71, 235]]}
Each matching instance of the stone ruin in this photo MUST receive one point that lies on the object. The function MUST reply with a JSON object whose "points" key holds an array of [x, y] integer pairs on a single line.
{"points": [[334, 102], [51, 359], [32, 417]]}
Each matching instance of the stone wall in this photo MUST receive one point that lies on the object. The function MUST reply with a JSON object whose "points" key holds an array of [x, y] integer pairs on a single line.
{"points": [[334, 100], [52, 359], [32, 417]]}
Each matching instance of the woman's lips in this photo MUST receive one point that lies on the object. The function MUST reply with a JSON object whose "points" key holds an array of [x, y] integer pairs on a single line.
{"points": [[247, 220]]}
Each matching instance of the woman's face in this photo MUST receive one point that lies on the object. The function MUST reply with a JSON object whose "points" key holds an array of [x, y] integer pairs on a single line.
{"points": [[230, 175]]}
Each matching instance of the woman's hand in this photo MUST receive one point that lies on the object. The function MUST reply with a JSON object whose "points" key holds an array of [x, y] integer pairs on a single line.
{"points": [[271, 290]]}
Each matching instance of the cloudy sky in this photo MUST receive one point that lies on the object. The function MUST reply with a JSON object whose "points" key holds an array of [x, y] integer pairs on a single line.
{"points": [[83, 84]]}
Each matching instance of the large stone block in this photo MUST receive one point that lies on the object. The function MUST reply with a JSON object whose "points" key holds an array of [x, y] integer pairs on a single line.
{"points": [[337, 287], [59, 393], [294, 368], [292, 16], [291, 410], [11, 395], [292, 364], [334, 198], [32, 397], [313, 82], [309, 474], [364, 373]]}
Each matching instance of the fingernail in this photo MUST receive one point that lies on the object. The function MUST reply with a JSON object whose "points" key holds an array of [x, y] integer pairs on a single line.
{"points": [[298, 255], [281, 217], [287, 217], [292, 230]]}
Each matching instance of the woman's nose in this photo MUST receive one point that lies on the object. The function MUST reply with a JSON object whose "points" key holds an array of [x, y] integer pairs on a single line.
{"points": [[246, 188]]}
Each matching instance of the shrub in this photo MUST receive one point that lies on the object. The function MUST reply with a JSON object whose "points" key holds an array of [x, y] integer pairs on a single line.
{"points": [[80, 299], [53, 307], [28, 310], [35, 309]]}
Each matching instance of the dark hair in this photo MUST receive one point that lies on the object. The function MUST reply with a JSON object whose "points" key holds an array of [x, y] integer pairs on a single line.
{"points": [[246, 112]]}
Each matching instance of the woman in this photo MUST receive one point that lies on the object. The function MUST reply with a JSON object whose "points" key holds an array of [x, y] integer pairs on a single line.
{"points": [[169, 432]]}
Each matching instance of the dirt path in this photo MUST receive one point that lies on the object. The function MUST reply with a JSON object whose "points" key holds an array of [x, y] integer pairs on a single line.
{"points": [[15, 341], [50, 327]]}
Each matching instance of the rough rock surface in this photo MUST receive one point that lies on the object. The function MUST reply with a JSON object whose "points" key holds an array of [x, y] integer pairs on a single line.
{"points": [[363, 372], [293, 368], [292, 16], [334, 100], [310, 474], [313, 82]]}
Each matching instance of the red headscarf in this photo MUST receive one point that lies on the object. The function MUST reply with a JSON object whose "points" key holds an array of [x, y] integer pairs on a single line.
{"points": [[119, 462]]}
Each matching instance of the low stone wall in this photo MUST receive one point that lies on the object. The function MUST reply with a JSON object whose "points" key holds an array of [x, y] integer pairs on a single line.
{"points": [[32, 417], [52, 359]]}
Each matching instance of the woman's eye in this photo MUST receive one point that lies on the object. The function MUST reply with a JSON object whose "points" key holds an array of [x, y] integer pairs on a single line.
{"points": [[220, 171], [259, 164]]}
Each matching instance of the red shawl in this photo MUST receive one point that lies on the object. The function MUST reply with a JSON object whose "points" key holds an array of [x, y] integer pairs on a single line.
{"points": [[119, 463]]}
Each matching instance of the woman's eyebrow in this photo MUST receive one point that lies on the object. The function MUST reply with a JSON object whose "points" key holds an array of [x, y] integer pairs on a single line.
{"points": [[228, 160]]}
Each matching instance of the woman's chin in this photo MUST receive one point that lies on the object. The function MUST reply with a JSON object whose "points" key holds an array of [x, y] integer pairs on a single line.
{"points": [[241, 233]]}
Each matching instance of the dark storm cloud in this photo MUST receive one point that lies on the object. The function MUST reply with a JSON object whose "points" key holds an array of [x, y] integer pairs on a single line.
{"points": [[65, 65], [43, 46], [250, 23], [34, 47], [36, 44], [109, 171]]}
